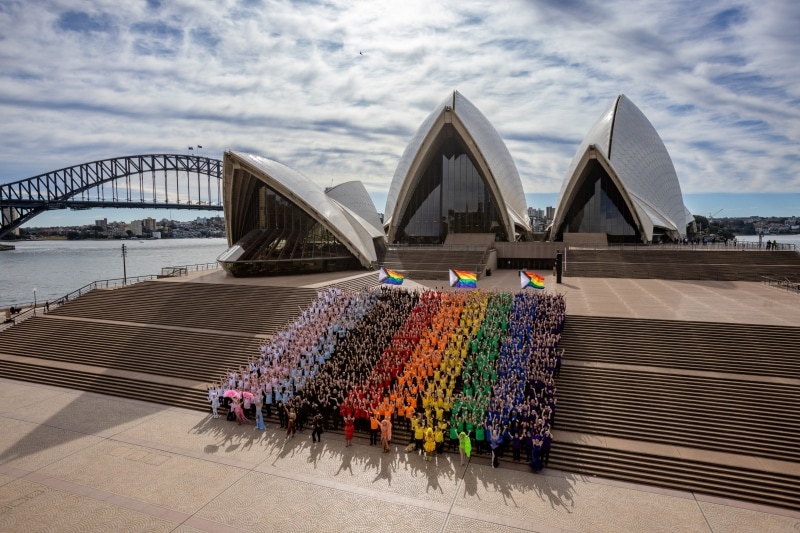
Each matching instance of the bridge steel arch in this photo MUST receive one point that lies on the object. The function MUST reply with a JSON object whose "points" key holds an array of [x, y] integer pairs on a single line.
{"points": [[165, 181]]}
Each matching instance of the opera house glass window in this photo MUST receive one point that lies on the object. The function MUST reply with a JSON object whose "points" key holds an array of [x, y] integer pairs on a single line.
{"points": [[598, 207], [450, 197], [291, 233]]}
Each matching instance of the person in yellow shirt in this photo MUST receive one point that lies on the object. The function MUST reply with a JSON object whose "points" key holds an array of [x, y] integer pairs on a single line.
{"points": [[430, 444], [419, 434], [438, 437]]}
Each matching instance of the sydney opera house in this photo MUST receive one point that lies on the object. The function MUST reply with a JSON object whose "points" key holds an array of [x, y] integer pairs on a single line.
{"points": [[456, 182]]}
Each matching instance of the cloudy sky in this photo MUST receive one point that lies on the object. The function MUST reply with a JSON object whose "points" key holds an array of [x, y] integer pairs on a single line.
{"points": [[336, 89]]}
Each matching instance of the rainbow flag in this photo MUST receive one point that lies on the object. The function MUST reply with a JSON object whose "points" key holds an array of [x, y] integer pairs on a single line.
{"points": [[463, 279], [530, 279], [390, 277]]}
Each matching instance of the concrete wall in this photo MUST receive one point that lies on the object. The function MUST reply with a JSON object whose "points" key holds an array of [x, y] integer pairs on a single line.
{"points": [[528, 250]]}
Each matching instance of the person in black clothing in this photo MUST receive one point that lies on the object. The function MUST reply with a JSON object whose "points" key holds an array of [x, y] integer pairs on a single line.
{"points": [[547, 442], [282, 415], [317, 423]]}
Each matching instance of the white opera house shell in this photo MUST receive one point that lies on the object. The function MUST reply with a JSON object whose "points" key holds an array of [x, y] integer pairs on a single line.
{"points": [[455, 176], [621, 182], [279, 221]]}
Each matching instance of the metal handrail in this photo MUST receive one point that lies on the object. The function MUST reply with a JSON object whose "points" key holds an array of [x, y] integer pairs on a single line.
{"points": [[89, 287], [739, 245], [185, 269], [782, 282], [111, 283], [102, 284], [458, 247]]}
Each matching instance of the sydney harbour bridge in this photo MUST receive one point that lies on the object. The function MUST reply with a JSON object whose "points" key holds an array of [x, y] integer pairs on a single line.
{"points": [[166, 181]]}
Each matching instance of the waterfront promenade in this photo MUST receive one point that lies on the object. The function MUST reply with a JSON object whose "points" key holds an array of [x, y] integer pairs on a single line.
{"points": [[71, 460]]}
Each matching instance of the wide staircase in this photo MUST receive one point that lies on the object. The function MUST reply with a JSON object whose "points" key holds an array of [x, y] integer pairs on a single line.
{"points": [[240, 308], [707, 407], [695, 263], [693, 406], [433, 263], [354, 283], [157, 341]]}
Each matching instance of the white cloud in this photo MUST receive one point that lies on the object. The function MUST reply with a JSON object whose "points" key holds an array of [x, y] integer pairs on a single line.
{"points": [[336, 88]]}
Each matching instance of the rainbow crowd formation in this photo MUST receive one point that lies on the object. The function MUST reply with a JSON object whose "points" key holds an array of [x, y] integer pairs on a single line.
{"points": [[455, 368]]}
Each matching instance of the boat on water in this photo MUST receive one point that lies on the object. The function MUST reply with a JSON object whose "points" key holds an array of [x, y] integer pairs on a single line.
{"points": [[7, 247]]}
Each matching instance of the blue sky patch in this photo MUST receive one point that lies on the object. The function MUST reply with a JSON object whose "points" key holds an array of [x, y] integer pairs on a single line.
{"points": [[81, 22]]}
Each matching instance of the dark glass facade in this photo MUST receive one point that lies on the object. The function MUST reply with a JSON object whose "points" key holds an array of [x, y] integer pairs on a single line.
{"points": [[451, 196], [287, 239], [598, 207]]}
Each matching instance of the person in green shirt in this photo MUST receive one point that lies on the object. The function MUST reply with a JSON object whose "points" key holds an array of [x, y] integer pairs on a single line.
{"points": [[480, 436], [464, 446], [453, 434]]}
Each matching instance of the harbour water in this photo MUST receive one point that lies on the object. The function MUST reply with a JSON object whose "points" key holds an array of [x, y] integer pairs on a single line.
{"points": [[55, 268]]}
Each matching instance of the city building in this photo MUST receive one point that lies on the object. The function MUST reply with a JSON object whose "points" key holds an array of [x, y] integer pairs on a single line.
{"points": [[137, 228]]}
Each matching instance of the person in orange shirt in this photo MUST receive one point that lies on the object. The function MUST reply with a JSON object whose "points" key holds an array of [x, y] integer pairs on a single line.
{"points": [[374, 428], [409, 414], [400, 404]]}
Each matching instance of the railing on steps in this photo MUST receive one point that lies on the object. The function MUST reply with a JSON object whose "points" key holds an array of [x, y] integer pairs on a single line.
{"points": [[183, 270], [781, 282], [58, 302], [166, 272], [730, 246]]}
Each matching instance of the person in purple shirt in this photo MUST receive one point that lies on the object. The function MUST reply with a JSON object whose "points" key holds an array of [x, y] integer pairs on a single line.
{"points": [[495, 440]]}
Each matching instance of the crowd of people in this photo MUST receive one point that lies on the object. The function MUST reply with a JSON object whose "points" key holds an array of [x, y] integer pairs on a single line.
{"points": [[451, 367]]}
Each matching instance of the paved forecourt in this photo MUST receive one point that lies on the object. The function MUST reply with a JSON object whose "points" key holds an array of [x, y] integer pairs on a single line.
{"points": [[65, 467]]}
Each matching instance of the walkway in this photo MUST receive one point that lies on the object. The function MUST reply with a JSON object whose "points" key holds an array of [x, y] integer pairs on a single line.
{"points": [[155, 469]]}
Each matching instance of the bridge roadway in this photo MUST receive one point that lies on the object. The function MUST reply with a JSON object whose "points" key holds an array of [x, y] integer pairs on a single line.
{"points": [[71, 460]]}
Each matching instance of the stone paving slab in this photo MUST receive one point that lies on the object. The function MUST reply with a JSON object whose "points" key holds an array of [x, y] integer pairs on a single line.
{"points": [[29, 507], [31, 446], [170, 480], [297, 506], [177, 470], [722, 518]]}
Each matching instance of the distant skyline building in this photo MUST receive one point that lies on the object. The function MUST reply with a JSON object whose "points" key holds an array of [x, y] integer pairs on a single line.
{"points": [[137, 228], [622, 183]]}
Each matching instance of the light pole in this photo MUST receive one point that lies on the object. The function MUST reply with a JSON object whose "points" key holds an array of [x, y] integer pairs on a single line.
{"points": [[124, 267], [34, 301]]}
